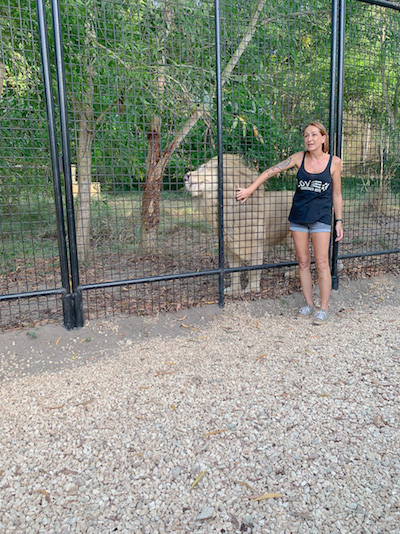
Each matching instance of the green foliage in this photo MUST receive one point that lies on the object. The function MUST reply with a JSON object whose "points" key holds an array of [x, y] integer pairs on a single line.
{"points": [[128, 61]]}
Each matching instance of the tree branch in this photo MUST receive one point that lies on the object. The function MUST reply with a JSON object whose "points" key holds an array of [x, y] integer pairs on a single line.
{"points": [[108, 108], [2, 76], [385, 92], [243, 44], [201, 111]]}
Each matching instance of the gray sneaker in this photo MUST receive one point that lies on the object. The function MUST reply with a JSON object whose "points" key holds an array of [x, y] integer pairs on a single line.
{"points": [[306, 311], [321, 317]]}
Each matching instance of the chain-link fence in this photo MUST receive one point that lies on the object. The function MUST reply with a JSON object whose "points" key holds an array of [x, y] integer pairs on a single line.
{"points": [[149, 223]]}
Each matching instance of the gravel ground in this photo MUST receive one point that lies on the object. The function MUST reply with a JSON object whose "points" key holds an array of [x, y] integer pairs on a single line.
{"points": [[246, 419]]}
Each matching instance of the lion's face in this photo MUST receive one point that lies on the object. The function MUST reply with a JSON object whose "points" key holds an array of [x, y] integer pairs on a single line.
{"points": [[203, 180]]}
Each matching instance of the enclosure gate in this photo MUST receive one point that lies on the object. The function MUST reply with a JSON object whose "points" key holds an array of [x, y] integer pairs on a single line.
{"points": [[70, 287]]}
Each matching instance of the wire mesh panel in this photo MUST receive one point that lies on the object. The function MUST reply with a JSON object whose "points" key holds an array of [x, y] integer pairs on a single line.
{"points": [[28, 231], [140, 78], [276, 58], [142, 91], [371, 142]]}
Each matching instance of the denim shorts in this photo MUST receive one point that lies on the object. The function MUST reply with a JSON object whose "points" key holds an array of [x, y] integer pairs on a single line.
{"points": [[311, 228]]}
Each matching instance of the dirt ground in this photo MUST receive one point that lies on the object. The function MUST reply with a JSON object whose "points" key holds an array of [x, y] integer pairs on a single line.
{"points": [[51, 348]]}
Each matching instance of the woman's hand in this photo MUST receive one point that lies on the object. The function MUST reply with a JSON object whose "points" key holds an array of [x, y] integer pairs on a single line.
{"points": [[339, 230], [243, 194]]}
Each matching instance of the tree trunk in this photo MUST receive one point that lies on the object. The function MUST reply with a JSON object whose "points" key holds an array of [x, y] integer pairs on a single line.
{"points": [[85, 140], [154, 174], [2, 76], [152, 188], [365, 147]]}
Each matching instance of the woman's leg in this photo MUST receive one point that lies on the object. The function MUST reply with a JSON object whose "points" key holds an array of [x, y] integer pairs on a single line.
{"points": [[302, 245], [321, 242]]}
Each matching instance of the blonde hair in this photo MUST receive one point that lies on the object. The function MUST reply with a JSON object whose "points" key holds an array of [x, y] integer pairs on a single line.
{"points": [[322, 131]]}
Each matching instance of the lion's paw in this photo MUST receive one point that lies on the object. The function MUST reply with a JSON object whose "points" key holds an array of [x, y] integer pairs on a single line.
{"points": [[232, 292]]}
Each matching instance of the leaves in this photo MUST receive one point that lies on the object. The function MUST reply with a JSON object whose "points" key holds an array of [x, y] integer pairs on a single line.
{"points": [[265, 496], [246, 485], [44, 493], [199, 478], [190, 327], [379, 422]]}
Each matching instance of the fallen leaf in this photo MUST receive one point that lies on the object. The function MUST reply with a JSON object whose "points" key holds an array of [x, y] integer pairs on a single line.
{"points": [[199, 478], [262, 356], [85, 403], [45, 493], [245, 484], [181, 318], [85, 339], [173, 407], [58, 340], [379, 421], [265, 496], [144, 387], [190, 327], [214, 433]]}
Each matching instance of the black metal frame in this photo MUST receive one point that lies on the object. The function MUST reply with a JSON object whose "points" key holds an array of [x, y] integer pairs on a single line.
{"points": [[68, 306], [71, 289], [66, 165]]}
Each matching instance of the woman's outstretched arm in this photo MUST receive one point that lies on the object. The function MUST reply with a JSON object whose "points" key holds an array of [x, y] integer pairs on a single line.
{"points": [[292, 161]]}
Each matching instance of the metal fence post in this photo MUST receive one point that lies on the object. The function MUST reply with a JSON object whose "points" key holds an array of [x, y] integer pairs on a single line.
{"points": [[333, 76], [220, 152], [67, 300], [339, 128], [66, 151]]}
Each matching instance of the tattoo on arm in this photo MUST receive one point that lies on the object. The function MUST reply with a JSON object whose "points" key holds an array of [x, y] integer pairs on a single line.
{"points": [[281, 166]]}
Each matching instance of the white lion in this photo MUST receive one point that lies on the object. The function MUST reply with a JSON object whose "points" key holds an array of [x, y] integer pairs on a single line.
{"points": [[249, 228]]}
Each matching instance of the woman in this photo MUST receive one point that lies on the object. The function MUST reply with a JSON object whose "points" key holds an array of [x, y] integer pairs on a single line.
{"points": [[318, 186]]}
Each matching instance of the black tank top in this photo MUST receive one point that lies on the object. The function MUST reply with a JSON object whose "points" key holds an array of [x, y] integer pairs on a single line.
{"points": [[312, 201]]}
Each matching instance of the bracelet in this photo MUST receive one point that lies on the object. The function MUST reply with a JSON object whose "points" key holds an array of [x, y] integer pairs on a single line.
{"points": [[339, 220]]}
